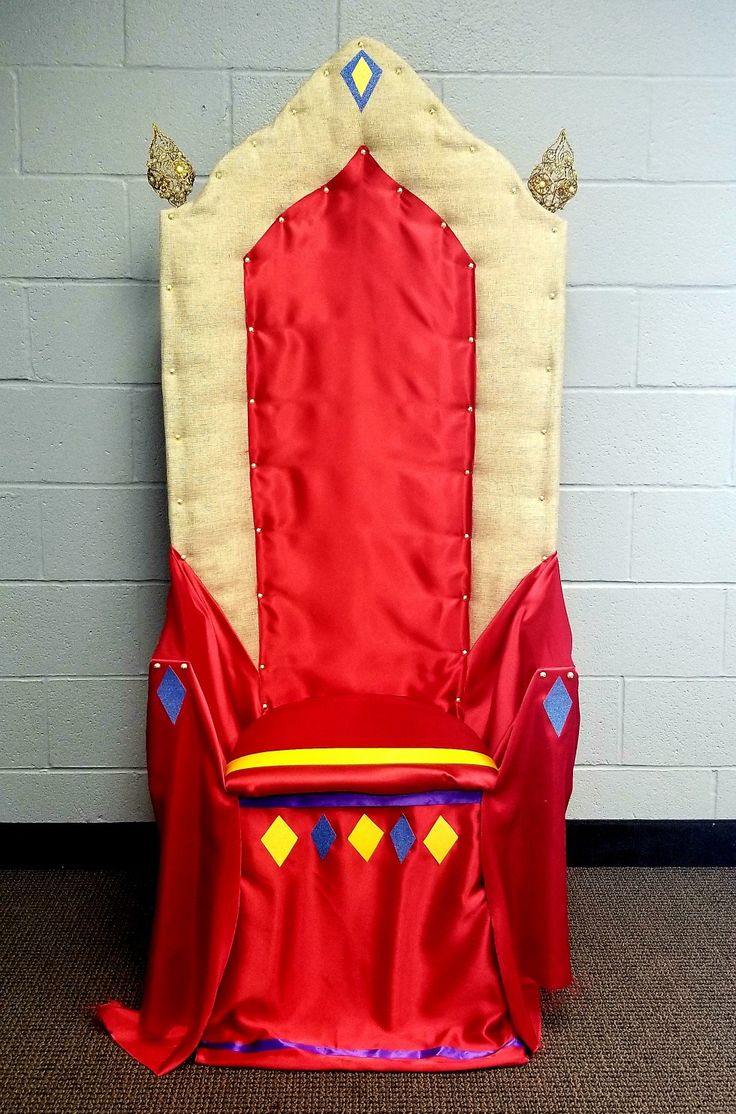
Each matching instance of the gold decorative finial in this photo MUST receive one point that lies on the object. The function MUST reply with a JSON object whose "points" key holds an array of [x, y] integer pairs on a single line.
{"points": [[554, 181], [169, 170]]}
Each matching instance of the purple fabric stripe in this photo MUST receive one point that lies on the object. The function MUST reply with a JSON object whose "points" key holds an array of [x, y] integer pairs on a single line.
{"points": [[274, 1044], [334, 800]]}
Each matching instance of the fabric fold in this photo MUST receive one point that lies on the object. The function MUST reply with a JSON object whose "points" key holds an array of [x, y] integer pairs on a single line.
{"points": [[523, 655], [198, 890]]}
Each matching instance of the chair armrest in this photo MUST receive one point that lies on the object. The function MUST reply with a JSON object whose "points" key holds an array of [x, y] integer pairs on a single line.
{"points": [[523, 701], [202, 691], [530, 631]]}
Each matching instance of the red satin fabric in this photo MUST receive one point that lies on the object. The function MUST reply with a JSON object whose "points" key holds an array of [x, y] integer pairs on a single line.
{"points": [[367, 779], [525, 814], [358, 721], [361, 428], [204, 898], [198, 823], [345, 953], [362, 379]]}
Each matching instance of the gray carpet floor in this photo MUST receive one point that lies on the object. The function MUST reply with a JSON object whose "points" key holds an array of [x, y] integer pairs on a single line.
{"points": [[648, 1026]]}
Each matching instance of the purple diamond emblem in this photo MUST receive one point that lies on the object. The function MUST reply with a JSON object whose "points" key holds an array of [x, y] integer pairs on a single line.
{"points": [[171, 693], [557, 705], [323, 836], [402, 837]]}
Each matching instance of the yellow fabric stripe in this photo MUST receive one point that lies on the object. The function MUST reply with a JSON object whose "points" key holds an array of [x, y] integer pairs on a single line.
{"points": [[361, 756]]}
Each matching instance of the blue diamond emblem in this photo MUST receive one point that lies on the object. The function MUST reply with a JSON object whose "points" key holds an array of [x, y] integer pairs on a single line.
{"points": [[171, 693], [361, 76], [323, 836], [557, 705], [403, 838]]}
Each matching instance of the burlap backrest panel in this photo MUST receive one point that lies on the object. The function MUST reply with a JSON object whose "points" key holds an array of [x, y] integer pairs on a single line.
{"points": [[520, 254]]}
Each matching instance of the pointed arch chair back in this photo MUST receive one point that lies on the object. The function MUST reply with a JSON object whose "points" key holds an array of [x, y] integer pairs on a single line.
{"points": [[362, 709], [518, 249]]}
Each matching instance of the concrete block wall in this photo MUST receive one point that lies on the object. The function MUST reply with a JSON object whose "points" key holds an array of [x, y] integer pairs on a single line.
{"points": [[648, 522]]}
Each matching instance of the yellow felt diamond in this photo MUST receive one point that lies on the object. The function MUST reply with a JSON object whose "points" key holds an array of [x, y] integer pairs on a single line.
{"points": [[279, 840], [361, 75], [365, 837], [440, 838]]}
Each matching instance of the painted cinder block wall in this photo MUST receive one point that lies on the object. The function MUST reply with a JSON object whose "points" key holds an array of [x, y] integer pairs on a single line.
{"points": [[648, 523]]}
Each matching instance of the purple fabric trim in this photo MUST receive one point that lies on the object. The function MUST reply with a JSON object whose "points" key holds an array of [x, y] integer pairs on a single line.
{"points": [[360, 800], [274, 1044]]}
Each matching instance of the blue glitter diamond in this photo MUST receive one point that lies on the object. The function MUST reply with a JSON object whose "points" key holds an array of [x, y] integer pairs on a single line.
{"points": [[323, 836], [557, 705], [171, 693], [403, 838], [361, 76]]}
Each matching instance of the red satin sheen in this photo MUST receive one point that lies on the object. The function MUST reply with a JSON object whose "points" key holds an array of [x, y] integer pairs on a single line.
{"points": [[357, 721], [340, 952], [198, 823], [362, 375], [359, 779], [521, 839]]}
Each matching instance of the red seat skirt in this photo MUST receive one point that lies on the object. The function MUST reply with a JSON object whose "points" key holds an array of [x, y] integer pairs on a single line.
{"points": [[364, 938]]}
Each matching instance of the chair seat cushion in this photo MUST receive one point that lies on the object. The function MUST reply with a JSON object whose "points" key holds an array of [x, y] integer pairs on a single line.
{"points": [[356, 742]]}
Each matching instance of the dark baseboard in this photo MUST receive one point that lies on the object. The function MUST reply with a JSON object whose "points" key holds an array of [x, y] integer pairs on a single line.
{"points": [[589, 843], [651, 842], [83, 846]]}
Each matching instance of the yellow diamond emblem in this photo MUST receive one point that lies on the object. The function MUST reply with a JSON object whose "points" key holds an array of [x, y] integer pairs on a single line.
{"points": [[365, 837], [279, 840], [361, 75], [440, 839]]}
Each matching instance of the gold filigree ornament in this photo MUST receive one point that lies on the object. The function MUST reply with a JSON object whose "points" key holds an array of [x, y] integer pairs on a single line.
{"points": [[169, 170], [554, 181]]}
